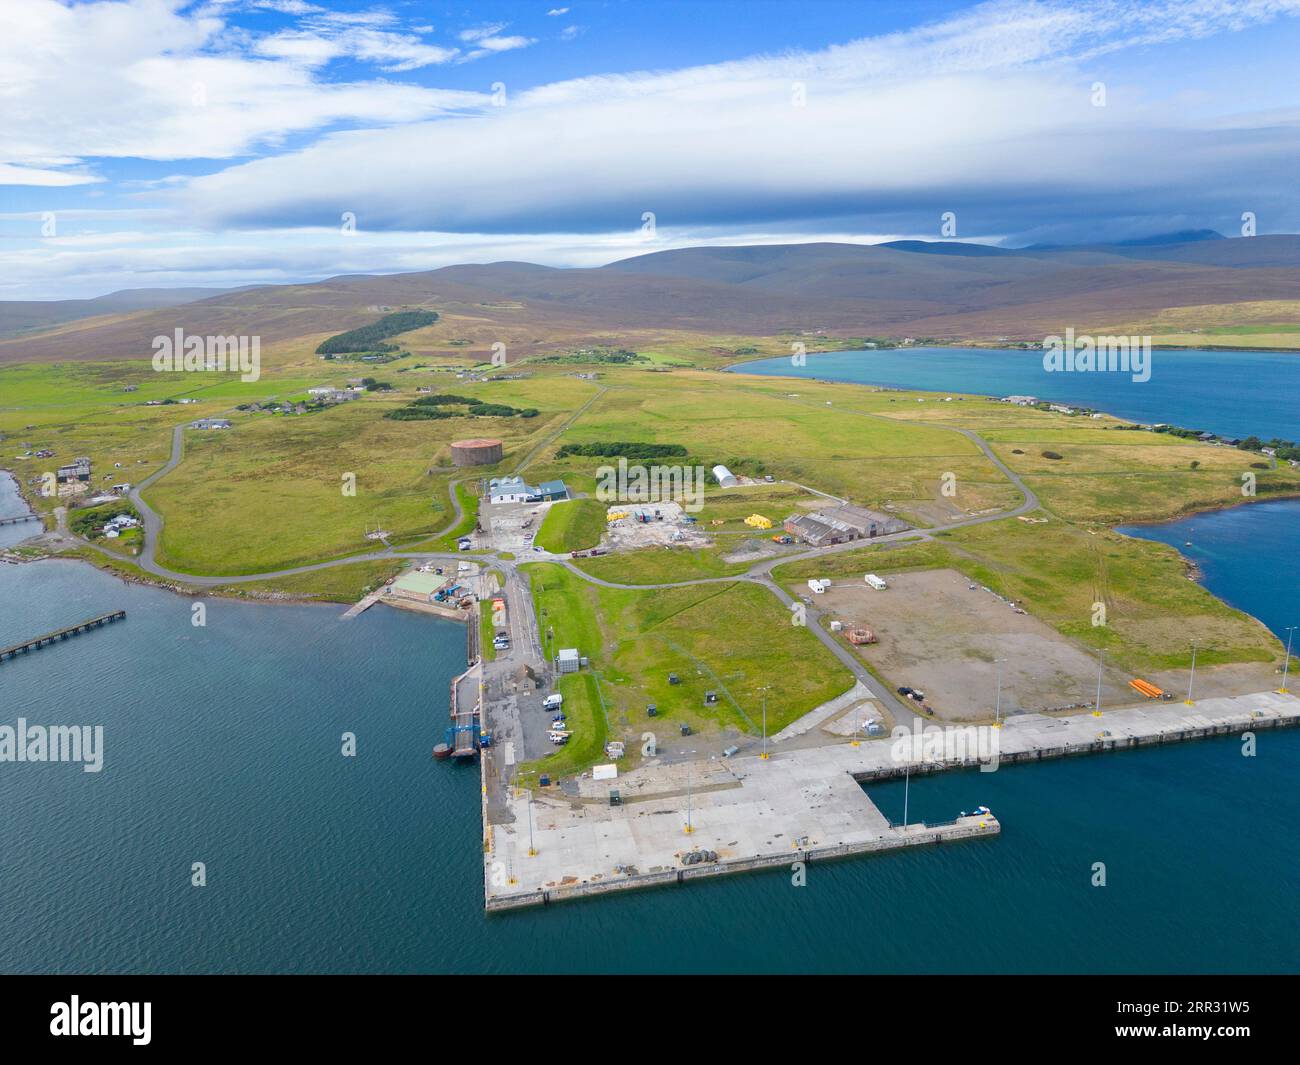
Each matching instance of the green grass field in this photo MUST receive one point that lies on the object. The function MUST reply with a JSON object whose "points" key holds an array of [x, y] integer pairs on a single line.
{"points": [[572, 525], [733, 639]]}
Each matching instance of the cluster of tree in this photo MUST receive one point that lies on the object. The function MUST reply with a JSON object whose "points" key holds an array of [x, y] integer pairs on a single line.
{"points": [[428, 408], [371, 385], [420, 414], [88, 522], [1282, 449], [438, 399], [616, 356], [623, 449], [370, 337]]}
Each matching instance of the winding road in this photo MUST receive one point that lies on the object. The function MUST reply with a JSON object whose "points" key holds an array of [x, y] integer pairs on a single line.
{"points": [[760, 573]]}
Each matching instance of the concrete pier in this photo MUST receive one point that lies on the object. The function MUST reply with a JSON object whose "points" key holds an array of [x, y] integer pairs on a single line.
{"points": [[797, 806]]}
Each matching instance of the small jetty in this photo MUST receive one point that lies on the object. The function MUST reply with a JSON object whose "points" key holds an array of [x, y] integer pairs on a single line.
{"points": [[464, 736], [58, 635], [19, 519]]}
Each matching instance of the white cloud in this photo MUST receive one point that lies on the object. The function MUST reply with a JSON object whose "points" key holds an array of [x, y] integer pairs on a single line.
{"points": [[557, 11], [488, 40], [986, 111], [390, 51], [32, 175], [143, 79]]}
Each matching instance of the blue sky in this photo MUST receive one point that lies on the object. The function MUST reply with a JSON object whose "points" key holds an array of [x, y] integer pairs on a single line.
{"points": [[162, 142]]}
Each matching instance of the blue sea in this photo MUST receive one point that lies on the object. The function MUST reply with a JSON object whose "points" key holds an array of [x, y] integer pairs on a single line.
{"points": [[1233, 393], [222, 746]]}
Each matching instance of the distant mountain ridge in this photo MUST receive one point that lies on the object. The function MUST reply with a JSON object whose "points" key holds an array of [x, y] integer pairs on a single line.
{"points": [[945, 290], [23, 316]]}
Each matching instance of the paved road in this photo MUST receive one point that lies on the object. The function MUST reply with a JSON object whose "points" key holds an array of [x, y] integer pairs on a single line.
{"points": [[520, 601], [153, 524]]}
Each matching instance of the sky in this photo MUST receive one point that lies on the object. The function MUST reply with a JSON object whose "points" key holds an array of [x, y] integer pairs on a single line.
{"points": [[164, 143]]}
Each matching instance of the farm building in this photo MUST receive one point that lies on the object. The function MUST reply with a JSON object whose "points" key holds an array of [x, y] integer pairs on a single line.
{"points": [[210, 423], [549, 490], [510, 490], [839, 525], [819, 531], [77, 470], [517, 490], [418, 585], [725, 477]]}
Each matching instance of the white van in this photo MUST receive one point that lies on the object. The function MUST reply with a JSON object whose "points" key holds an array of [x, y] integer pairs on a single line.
{"points": [[553, 702]]}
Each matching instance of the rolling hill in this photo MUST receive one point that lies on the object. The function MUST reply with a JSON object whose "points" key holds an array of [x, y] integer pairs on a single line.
{"points": [[947, 291]]}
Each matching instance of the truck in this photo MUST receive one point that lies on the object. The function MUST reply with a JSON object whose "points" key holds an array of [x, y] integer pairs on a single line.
{"points": [[878, 583], [553, 702]]}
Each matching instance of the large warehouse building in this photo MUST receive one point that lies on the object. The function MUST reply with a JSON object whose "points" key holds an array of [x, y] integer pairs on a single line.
{"points": [[839, 525], [477, 452]]}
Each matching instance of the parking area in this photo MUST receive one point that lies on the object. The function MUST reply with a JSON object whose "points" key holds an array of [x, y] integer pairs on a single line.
{"points": [[512, 526]]}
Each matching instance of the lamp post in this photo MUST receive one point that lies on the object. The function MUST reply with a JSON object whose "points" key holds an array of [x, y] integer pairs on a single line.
{"points": [[1101, 657], [689, 829], [997, 709], [764, 690], [1286, 666], [532, 851], [1191, 677]]}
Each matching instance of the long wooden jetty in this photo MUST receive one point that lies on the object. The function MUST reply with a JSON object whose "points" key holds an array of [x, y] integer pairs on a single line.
{"points": [[61, 634]]}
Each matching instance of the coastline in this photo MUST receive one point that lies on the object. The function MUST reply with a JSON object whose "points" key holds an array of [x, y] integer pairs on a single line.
{"points": [[742, 360], [1208, 508]]}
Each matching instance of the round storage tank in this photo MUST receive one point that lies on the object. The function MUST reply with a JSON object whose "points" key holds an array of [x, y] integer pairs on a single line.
{"points": [[481, 452]]}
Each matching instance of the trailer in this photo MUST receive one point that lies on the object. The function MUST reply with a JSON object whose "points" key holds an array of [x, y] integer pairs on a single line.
{"points": [[875, 582]]}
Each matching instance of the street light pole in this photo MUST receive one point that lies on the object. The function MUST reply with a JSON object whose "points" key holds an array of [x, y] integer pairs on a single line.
{"points": [[532, 851], [997, 710], [1191, 677], [1286, 666], [689, 829], [1101, 656]]}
